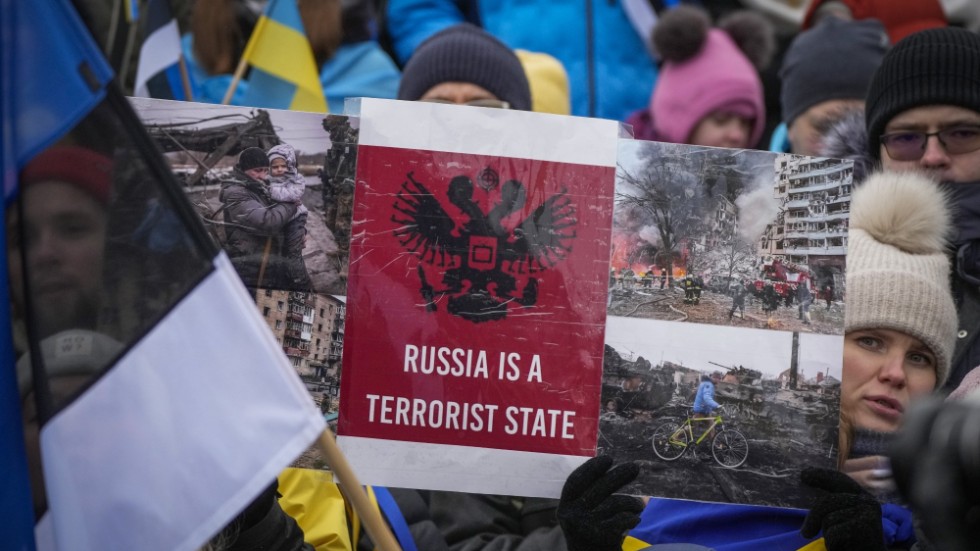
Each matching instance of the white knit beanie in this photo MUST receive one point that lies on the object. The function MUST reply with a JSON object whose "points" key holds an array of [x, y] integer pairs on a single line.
{"points": [[897, 268]]}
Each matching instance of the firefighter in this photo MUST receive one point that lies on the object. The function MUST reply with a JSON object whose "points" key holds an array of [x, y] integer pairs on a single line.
{"points": [[738, 301], [688, 285], [770, 299], [648, 278], [627, 276], [805, 298]]}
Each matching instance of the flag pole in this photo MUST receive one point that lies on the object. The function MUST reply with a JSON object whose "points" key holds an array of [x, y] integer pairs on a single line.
{"points": [[265, 259], [373, 523], [117, 9], [246, 54], [239, 71], [185, 78], [128, 52]]}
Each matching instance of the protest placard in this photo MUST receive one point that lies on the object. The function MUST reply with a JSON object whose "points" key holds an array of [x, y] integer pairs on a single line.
{"points": [[476, 301]]}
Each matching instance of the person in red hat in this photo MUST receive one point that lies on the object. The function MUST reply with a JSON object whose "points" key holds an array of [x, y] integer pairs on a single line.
{"points": [[64, 194]]}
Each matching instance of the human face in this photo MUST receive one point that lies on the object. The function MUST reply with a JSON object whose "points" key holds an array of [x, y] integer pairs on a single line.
{"points": [[884, 370], [261, 173], [462, 93], [807, 130], [721, 129], [936, 161], [65, 238], [277, 167]]}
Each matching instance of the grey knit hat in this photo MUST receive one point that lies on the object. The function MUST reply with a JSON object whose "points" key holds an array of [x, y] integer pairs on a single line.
{"points": [[466, 53], [931, 67], [833, 61], [897, 268]]}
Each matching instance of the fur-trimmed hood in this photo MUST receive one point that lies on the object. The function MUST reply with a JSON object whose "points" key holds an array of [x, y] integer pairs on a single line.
{"points": [[848, 139]]}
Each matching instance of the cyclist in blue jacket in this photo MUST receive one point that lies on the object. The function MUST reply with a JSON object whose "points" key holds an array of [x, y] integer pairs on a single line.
{"points": [[704, 402]]}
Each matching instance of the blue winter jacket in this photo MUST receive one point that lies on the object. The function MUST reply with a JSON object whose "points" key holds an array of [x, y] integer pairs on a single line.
{"points": [[705, 402], [610, 72]]}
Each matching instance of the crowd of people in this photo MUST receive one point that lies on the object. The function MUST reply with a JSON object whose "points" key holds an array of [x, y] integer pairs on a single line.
{"points": [[896, 89]]}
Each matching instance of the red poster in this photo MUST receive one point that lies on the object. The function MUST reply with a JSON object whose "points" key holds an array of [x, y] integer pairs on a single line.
{"points": [[476, 306]]}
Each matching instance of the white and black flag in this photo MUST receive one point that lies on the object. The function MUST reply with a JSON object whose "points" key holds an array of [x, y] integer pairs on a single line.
{"points": [[155, 402]]}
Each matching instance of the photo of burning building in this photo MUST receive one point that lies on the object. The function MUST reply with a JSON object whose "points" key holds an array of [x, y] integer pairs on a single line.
{"points": [[729, 237]]}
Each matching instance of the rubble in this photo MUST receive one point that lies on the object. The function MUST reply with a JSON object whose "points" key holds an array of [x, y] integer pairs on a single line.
{"points": [[786, 428], [714, 307]]}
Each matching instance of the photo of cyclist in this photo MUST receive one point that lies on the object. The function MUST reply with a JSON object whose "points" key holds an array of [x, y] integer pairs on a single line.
{"points": [[704, 401]]}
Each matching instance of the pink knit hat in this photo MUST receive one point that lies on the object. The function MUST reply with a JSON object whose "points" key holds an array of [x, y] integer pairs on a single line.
{"points": [[719, 77]]}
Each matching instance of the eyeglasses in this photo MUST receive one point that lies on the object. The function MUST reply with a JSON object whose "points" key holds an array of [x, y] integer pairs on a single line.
{"points": [[486, 102], [908, 145]]}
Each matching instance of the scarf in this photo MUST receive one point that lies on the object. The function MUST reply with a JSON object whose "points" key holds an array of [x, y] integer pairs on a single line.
{"points": [[965, 201]]}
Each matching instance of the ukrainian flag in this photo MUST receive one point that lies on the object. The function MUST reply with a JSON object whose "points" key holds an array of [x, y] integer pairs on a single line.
{"points": [[284, 73]]}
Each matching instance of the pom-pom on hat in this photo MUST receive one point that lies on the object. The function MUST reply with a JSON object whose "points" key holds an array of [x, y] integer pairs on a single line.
{"points": [[466, 53], [833, 61], [708, 69], [252, 157], [897, 267], [84, 168], [932, 67]]}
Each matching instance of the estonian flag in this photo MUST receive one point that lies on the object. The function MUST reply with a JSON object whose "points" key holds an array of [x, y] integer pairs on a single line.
{"points": [[284, 72], [153, 398], [160, 73]]}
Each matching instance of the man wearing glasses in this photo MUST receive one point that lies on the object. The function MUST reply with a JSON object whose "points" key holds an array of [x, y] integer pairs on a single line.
{"points": [[466, 65], [923, 113]]}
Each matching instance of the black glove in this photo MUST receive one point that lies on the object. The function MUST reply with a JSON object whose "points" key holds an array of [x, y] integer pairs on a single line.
{"points": [[849, 516], [263, 526], [936, 462], [591, 516]]}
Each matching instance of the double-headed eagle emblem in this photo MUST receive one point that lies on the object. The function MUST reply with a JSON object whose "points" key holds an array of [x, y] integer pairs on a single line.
{"points": [[486, 268]]}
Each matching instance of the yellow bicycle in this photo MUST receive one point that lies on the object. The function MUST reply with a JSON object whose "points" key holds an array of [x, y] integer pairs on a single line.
{"points": [[729, 447]]}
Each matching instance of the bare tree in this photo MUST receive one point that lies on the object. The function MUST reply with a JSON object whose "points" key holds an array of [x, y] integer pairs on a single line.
{"points": [[738, 253], [667, 192]]}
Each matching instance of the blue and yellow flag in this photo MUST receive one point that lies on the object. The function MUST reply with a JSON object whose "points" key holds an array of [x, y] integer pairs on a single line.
{"points": [[132, 11], [284, 72]]}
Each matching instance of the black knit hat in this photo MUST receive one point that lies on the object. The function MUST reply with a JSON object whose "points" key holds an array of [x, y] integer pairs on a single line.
{"points": [[252, 157], [931, 67], [833, 61], [466, 53]]}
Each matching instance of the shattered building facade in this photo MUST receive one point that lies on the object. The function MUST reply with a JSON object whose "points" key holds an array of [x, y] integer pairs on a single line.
{"points": [[811, 228]]}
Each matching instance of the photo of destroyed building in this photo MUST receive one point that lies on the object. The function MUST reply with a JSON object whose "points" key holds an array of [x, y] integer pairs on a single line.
{"points": [[729, 237], [781, 390], [202, 143]]}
